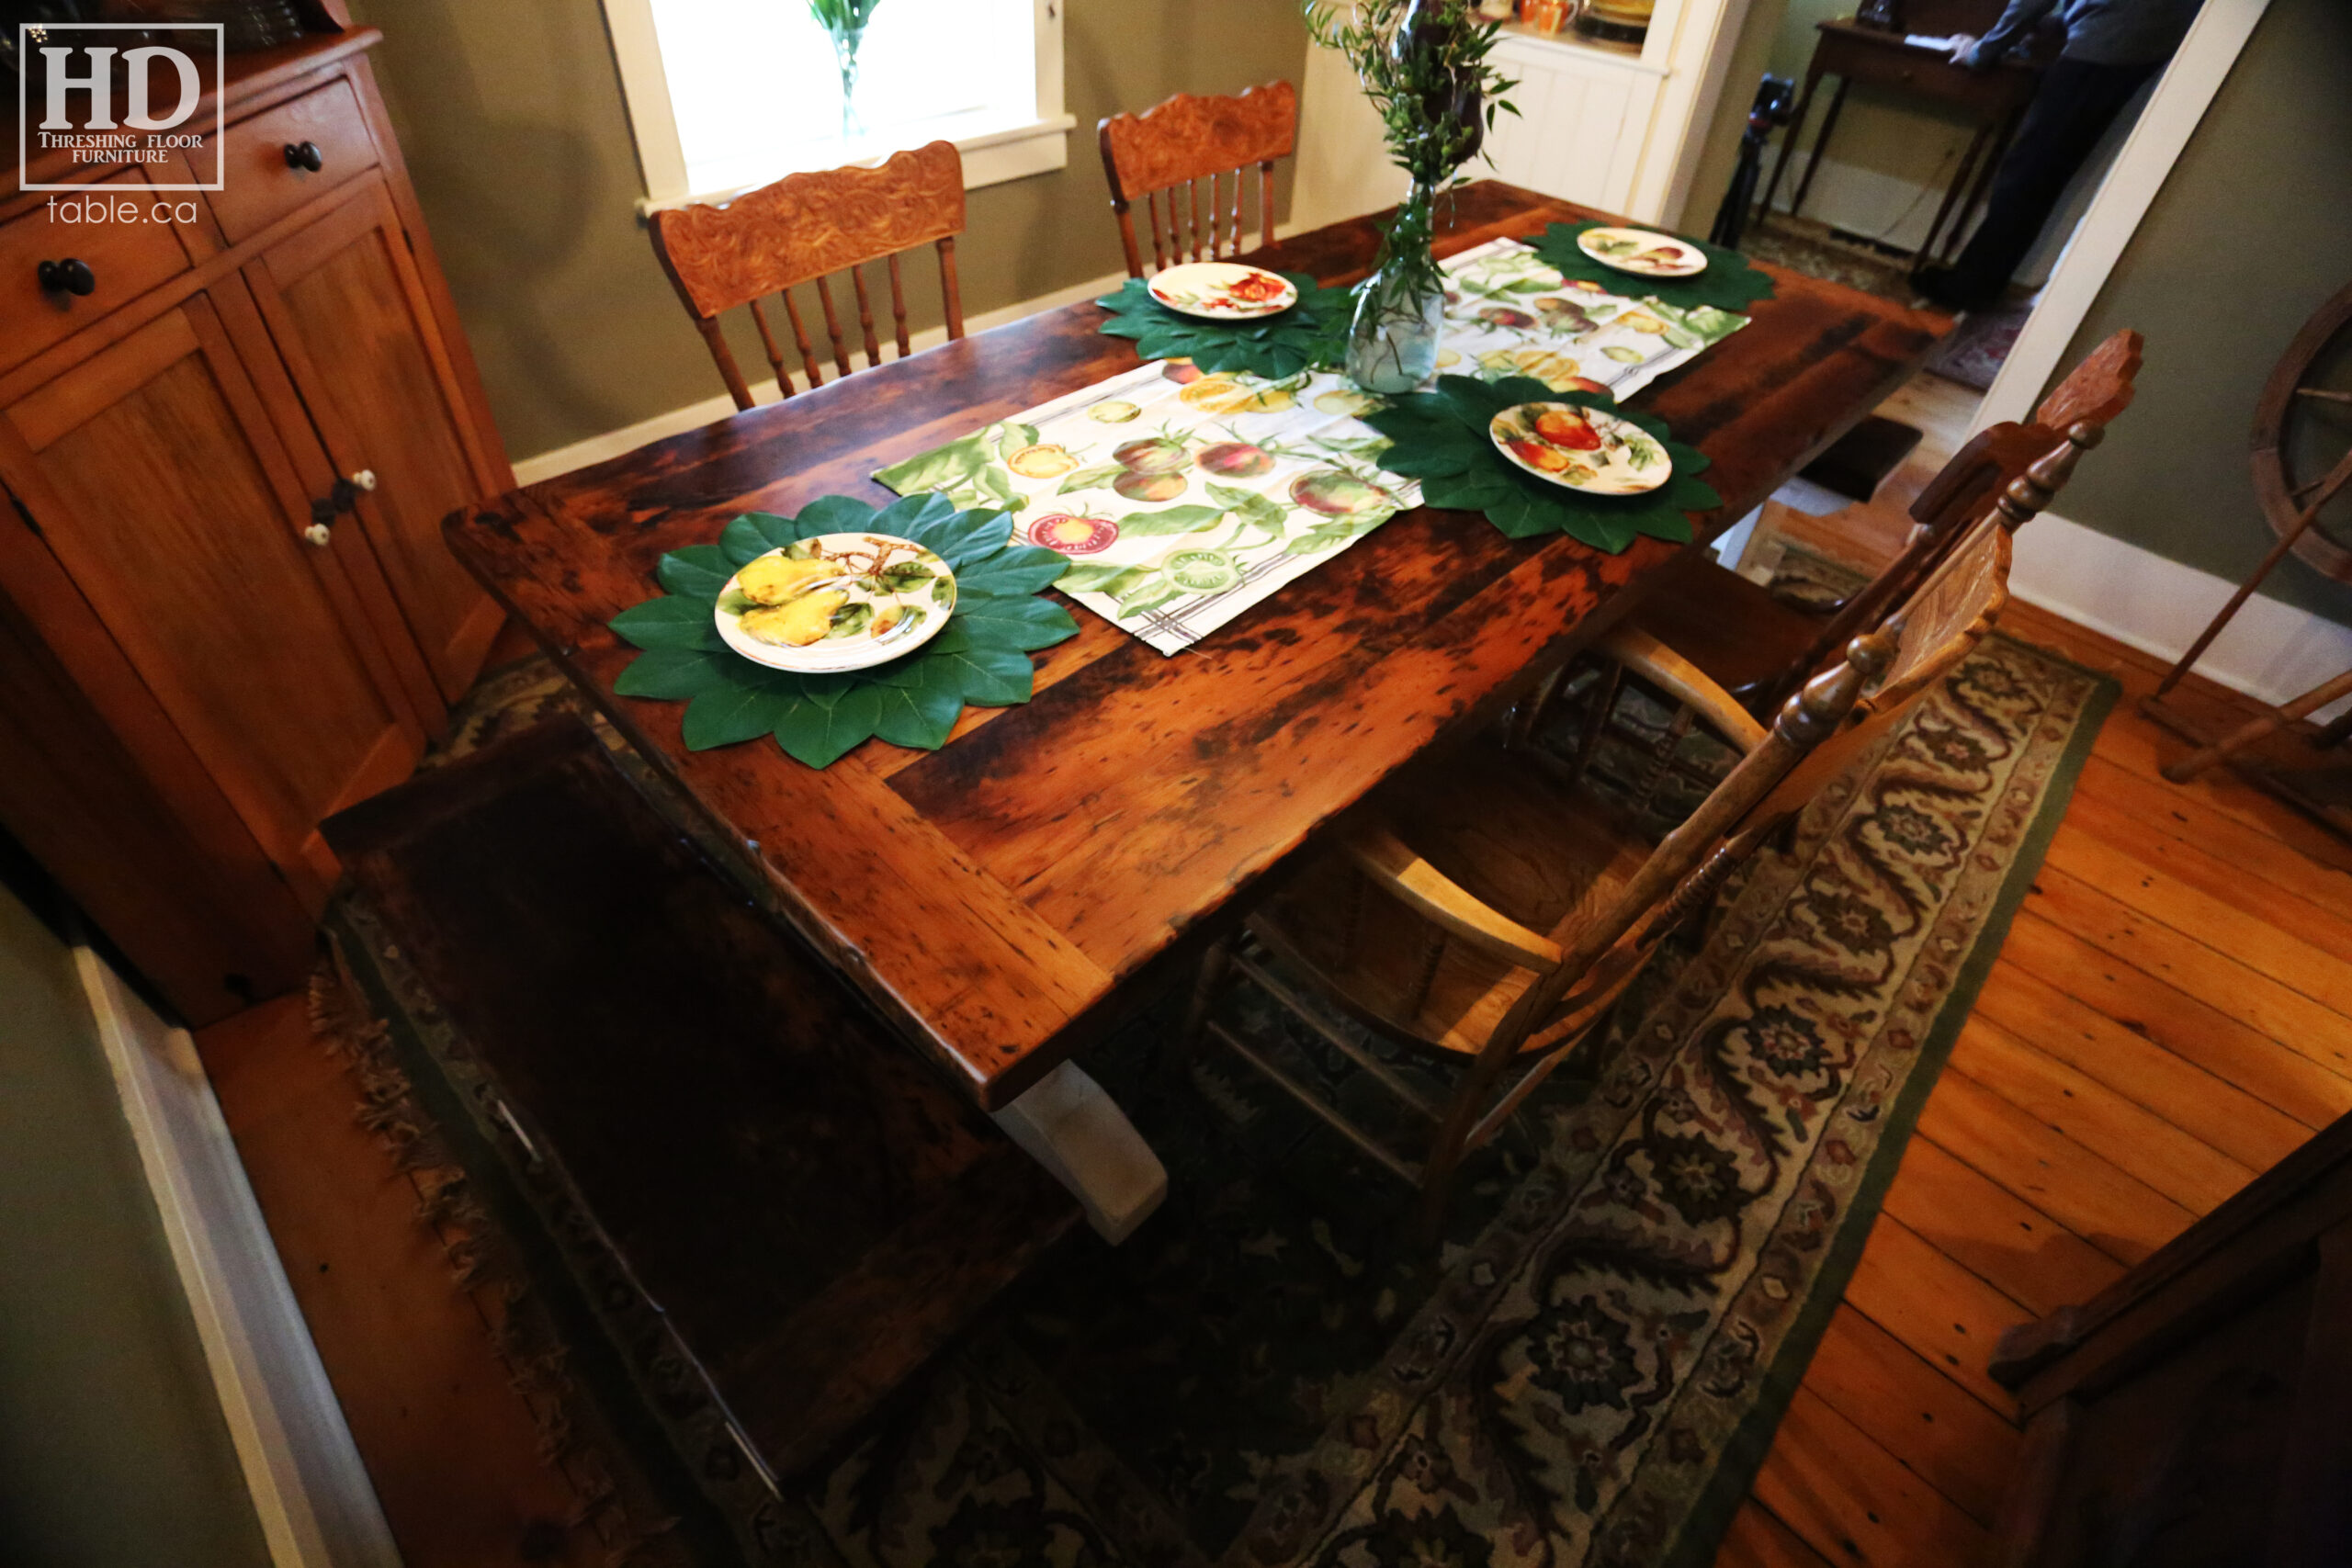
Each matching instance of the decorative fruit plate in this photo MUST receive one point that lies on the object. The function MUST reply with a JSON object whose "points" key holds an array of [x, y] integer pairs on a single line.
{"points": [[837, 602], [1223, 291], [1643, 253], [1580, 448]]}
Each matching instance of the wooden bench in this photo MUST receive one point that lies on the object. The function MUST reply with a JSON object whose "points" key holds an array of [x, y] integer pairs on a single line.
{"points": [[778, 1211]]}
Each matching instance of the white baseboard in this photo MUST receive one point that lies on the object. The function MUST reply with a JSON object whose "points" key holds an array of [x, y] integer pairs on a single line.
{"points": [[628, 438], [2271, 651], [309, 1490]]}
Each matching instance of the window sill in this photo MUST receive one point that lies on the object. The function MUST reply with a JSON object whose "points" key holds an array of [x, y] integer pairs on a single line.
{"points": [[991, 157]]}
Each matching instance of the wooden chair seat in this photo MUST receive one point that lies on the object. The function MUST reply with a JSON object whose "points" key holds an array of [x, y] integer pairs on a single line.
{"points": [[698, 1107], [1493, 824], [1732, 629]]}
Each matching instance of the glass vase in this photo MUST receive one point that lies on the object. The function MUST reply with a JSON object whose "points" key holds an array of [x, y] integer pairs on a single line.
{"points": [[1400, 309], [845, 58]]}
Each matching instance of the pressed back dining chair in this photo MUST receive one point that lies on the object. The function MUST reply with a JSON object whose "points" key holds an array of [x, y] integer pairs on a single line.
{"points": [[1482, 912], [800, 231], [1652, 759], [1164, 155], [1762, 648]]}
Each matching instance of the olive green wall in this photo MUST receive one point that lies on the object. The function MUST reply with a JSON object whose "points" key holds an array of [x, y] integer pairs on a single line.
{"points": [[113, 1451], [511, 119], [2272, 164]]}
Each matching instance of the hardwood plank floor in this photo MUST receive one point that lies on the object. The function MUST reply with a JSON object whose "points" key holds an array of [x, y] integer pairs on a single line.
{"points": [[2171, 1015]]}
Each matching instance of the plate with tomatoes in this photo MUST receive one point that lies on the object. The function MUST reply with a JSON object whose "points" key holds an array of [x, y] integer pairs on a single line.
{"points": [[1223, 291], [1581, 449]]}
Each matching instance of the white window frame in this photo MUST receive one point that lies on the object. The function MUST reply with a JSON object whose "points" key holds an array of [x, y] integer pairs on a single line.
{"points": [[1010, 153]]}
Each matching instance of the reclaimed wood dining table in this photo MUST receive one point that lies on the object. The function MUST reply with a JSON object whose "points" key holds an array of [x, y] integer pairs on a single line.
{"points": [[999, 900]]}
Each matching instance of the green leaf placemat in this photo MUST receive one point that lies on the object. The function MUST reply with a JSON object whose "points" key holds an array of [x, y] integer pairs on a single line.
{"points": [[981, 657], [1730, 283], [1440, 439], [1311, 334]]}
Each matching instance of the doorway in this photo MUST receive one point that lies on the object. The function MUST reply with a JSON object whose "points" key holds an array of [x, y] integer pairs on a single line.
{"points": [[1996, 365]]}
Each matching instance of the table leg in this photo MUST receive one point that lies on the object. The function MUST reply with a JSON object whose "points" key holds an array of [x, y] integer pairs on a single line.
{"points": [[1789, 142], [1069, 1126], [1813, 165], [1960, 178]]}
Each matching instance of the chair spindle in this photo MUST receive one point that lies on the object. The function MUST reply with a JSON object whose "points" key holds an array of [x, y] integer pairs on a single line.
{"points": [[775, 354], [800, 337], [898, 303], [865, 319]]}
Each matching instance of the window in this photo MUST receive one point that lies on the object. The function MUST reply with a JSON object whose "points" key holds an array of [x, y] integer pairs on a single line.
{"points": [[726, 95]]}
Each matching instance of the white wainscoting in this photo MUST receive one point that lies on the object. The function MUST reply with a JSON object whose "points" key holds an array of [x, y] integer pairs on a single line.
{"points": [[1583, 119], [2272, 650], [310, 1489], [1608, 126]]}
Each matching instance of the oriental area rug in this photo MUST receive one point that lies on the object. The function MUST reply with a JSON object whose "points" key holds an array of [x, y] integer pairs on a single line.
{"points": [[1590, 1369]]}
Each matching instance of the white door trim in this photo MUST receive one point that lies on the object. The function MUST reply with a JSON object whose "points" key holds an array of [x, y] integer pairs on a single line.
{"points": [[310, 1489], [2179, 102]]}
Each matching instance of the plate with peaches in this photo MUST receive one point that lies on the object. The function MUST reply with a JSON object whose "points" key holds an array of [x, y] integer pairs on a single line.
{"points": [[1581, 449]]}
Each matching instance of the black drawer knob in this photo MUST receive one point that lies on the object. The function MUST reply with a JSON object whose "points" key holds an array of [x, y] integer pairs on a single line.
{"points": [[305, 155], [71, 275]]}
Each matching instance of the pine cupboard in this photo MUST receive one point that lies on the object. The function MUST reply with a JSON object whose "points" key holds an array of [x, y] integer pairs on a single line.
{"points": [[230, 427]]}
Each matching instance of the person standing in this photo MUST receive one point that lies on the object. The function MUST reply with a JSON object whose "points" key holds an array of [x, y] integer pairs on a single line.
{"points": [[2112, 46]]}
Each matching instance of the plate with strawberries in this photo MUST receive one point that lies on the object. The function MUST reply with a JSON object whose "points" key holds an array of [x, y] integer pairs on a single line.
{"points": [[1581, 449], [1223, 291]]}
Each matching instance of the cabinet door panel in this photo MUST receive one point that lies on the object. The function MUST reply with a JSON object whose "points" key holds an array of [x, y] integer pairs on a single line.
{"points": [[159, 485], [344, 303]]}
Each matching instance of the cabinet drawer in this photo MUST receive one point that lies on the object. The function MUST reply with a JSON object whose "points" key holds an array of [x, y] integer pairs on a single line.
{"points": [[259, 186], [127, 258]]}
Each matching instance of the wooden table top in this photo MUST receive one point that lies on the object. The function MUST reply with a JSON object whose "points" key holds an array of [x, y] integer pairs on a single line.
{"points": [[991, 896]]}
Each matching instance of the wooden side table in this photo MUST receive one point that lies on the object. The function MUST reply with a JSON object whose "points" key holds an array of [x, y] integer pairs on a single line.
{"points": [[1994, 101]]}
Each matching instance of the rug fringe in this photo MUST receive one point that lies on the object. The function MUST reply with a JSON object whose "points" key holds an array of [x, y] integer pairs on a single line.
{"points": [[485, 1268]]}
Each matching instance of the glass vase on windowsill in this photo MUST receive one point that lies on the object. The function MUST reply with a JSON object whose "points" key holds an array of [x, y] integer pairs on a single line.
{"points": [[844, 22]]}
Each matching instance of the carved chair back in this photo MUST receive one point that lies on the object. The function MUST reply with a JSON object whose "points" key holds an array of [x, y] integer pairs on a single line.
{"points": [[2096, 392], [798, 231], [1164, 155]]}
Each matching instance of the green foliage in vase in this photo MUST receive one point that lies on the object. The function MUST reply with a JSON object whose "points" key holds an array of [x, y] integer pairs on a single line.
{"points": [[1425, 67], [844, 22], [843, 19]]}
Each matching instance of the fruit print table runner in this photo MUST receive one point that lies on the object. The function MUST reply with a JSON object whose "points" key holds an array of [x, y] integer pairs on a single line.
{"points": [[1181, 499]]}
